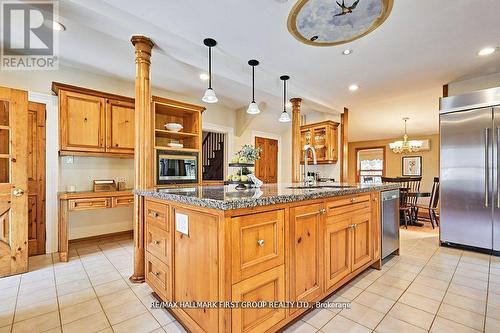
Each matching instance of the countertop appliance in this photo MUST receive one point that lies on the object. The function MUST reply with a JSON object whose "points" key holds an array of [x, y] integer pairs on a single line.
{"points": [[469, 170], [390, 221], [176, 167]]}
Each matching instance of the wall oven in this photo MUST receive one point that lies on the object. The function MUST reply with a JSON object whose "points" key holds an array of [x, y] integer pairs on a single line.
{"points": [[176, 167]]}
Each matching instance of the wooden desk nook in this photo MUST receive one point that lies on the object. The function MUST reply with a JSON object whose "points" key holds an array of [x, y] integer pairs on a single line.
{"points": [[80, 201]]}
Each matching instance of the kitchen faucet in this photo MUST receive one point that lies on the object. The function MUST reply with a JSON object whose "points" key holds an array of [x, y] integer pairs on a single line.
{"points": [[306, 149]]}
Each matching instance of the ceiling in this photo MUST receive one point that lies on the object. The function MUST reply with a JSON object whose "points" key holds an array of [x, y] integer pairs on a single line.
{"points": [[400, 67]]}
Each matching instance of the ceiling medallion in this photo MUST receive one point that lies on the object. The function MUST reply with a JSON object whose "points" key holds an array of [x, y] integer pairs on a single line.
{"points": [[331, 22]]}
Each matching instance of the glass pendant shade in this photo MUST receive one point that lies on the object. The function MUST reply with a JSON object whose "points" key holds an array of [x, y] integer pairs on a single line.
{"points": [[284, 117], [210, 96], [406, 146], [253, 108]]}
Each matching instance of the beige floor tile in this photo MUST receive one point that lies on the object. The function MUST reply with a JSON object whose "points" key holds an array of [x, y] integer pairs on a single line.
{"points": [[472, 274], [344, 325], [438, 275], [174, 327], [5, 329], [361, 282], [76, 297], [462, 316], [394, 281], [363, 315], [79, 311], [420, 302], [442, 325], [38, 324], [104, 278], [374, 301], [431, 282], [427, 291], [318, 317], [34, 287], [74, 286], [162, 316], [394, 325], [37, 296], [473, 293], [8, 304], [493, 312], [118, 298], [405, 275], [54, 330], [472, 267], [471, 283], [36, 309], [93, 323], [123, 312], [492, 325], [412, 315], [110, 287], [6, 318], [465, 303], [385, 290], [349, 292], [142, 323]]}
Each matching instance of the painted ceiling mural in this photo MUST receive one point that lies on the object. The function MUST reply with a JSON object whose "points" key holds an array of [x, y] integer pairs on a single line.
{"points": [[333, 22]]}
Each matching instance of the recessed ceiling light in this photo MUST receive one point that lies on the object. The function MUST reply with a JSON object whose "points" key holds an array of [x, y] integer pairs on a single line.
{"points": [[347, 52], [204, 76], [57, 26], [487, 51], [353, 87]]}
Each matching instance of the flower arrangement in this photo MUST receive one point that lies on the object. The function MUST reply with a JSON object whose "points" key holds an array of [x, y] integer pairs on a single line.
{"points": [[247, 154]]}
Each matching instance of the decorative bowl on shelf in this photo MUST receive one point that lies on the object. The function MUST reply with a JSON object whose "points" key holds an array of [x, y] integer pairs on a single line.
{"points": [[175, 145], [174, 127]]}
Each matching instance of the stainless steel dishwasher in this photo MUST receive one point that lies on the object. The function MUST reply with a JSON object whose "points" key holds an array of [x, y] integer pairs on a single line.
{"points": [[390, 222]]}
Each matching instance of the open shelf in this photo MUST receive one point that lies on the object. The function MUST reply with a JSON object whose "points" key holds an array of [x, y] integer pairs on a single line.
{"points": [[187, 150], [172, 134]]}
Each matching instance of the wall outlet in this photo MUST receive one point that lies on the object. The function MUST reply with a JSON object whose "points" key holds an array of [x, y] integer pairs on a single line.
{"points": [[182, 223], [121, 179], [69, 159]]}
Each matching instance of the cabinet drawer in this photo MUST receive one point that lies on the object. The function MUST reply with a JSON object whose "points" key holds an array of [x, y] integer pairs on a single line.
{"points": [[258, 243], [268, 286], [157, 214], [348, 205], [123, 201], [90, 203], [158, 243], [158, 276]]}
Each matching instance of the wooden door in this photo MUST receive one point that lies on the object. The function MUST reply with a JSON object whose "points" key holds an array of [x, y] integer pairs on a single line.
{"points": [[13, 182], [338, 248], [306, 252], [120, 127], [362, 252], [82, 122], [196, 266], [266, 168], [269, 287], [36, 178]]}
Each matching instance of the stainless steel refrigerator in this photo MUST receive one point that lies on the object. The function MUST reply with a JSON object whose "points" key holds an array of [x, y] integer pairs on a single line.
{"points": [[469, 170]]}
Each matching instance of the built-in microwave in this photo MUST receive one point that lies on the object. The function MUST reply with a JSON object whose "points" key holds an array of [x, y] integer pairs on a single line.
{"points": [[176, 167]]}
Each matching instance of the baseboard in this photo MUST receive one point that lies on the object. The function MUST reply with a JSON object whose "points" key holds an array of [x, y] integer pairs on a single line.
{"points": [[105, 236]]}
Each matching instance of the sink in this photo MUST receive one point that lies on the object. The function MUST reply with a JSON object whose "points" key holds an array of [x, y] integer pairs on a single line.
{"points": [[315, 187]]}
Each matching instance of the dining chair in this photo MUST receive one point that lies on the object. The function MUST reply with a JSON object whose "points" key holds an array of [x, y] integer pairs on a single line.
{"points": [[432, 206], [404, 207], [413, 184]]}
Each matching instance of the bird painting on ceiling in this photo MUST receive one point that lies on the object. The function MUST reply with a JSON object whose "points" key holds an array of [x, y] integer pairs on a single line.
{"points": [[346, 9]]}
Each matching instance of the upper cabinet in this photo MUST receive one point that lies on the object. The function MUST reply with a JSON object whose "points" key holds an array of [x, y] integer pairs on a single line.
{"points": [[94, 123], [323, 137]]}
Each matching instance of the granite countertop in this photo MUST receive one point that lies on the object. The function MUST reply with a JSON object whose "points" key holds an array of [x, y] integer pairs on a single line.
{"points": [[228, 198]]}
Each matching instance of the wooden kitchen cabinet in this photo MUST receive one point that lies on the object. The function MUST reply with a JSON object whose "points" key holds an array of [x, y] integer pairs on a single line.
{"points": [[94, 123], [306, 252], [362, 250], [323, 136], [338, 249], [120, 127]]}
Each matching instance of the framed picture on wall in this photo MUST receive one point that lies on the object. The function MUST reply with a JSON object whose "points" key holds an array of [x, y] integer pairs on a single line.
{"points": [[412, 166]]}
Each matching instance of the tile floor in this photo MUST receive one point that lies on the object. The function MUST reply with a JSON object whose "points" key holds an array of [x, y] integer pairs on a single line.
{"points": [[426, 289]]}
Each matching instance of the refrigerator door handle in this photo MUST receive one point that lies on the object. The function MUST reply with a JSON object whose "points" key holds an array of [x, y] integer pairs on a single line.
{"points": [[486, 167], [498, 167]]}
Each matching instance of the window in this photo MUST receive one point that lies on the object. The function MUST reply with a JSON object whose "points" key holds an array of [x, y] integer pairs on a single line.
{"points": [[370, 165]]}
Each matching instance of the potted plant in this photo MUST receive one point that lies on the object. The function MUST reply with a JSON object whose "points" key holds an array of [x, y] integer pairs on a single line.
{"points": [[247, 154]]}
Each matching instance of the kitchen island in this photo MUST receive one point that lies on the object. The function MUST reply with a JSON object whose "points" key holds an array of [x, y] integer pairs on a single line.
{"points": [[280, 243]]}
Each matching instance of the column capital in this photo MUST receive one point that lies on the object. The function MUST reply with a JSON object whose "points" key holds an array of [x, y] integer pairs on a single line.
{"points": [[296, 102]]}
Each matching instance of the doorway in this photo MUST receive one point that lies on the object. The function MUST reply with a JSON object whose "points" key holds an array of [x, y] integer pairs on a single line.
{"points": [[213, 155], [266, 168], [370, 165], [36, 178]]}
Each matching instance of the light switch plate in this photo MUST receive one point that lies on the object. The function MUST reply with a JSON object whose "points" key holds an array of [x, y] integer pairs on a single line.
{"points": [[182, 223], [69, 159]]}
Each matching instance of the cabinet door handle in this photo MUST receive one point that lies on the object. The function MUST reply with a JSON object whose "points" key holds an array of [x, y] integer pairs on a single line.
{"points": [[353, 199], [157, 242], [153, 214], [260, 242], [322, 211], [157, 273]]}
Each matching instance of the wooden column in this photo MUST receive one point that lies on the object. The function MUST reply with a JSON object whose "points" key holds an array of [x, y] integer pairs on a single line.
{"points": [[296, 149], [344, 146], [144, 145]]}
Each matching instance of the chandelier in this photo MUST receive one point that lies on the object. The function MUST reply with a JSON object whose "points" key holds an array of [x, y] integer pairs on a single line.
{"points": [[405, 146]]}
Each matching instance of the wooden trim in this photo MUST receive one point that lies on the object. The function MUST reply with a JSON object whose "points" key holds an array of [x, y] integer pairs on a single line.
{"points": [[344, 146], [102, 237], [92, 154], [92, 194], [296, 139], [319, 124], [57, 86], [178, 105], [368, 148]]}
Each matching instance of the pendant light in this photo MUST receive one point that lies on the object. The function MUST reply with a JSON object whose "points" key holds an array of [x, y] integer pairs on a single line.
{"points": [[406, 146], [253, 108], [285, 117], [209, 96]]}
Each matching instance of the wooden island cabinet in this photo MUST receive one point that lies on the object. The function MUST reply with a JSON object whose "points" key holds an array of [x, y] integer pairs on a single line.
{"points": [[283, 252]]}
